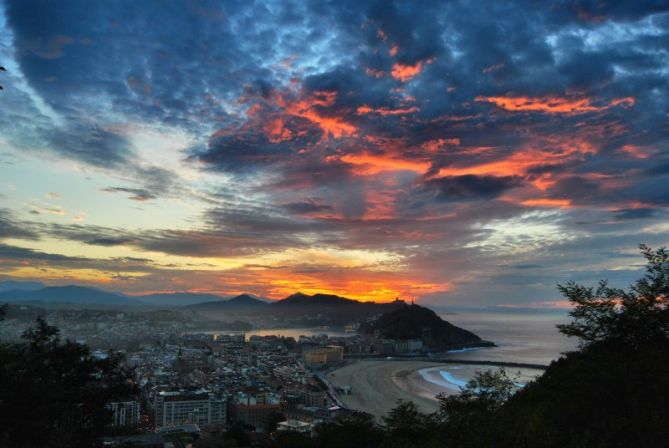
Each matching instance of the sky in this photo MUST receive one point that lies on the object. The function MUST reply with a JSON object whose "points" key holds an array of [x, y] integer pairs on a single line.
{"points": [[453, 152]]}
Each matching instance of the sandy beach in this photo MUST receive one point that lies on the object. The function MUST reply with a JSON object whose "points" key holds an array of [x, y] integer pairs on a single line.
{"points": [[376, 385]]}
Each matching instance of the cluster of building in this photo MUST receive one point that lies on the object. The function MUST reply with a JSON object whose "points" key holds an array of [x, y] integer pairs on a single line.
{"points": [[265, 383], [201, 383]]}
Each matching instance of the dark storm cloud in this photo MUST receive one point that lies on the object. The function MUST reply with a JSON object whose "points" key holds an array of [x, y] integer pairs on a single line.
{"points": [[634, 213], [470, 187], [306, 207]]}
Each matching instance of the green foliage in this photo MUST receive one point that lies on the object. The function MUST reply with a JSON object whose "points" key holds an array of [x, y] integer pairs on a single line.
{"points": [[467, 418], [613, 392], [486, 392], [54, 393], [358, 429], [239, 433], [293, 440], [407, 426], [604, 395], [634, 317]]}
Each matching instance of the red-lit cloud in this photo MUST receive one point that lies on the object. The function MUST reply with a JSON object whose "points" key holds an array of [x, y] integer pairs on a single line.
{"points": [[405, 72], [553, 105], [364, 109]]}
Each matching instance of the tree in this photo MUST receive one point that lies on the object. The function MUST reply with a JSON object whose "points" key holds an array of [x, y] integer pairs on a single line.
{"points": [[633, 318], [487, 391], [406, 425], [54, 393], [613, 392], [356, 429], [468, 417]]}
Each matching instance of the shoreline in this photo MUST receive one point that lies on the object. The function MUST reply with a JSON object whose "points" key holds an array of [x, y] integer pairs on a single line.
{"points": [[377, 384]]}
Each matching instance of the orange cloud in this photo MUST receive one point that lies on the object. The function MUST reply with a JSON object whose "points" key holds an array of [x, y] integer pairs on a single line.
{"points": [[637, 151], [560, 151], [393, 50], [547, 202], [330, 125], [405, 72], [370, 164], [552, 104], [276, 131], [434, 146], [364, 109]]}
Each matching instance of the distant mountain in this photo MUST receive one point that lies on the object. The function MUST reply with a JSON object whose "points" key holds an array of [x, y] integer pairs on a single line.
{"points": [[78, 295], [245, 301], [178, 299], [242, 302], [11, 285], [319, 300], [417, 322], [327, 309]]}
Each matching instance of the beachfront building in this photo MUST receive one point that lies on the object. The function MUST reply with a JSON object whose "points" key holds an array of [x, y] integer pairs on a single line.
{"points": [[295, 426], [408, 345], [173, 408], [323, 356]]}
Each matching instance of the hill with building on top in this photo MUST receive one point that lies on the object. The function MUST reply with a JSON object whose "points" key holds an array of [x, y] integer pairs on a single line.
{"points": [[417, 322]]}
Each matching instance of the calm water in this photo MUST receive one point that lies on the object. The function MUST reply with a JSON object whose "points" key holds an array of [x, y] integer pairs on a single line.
{"points": [[521, 337], [285, 332]]}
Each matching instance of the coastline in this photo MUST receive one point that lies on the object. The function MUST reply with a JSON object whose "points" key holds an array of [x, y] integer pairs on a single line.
{"points": [[377, 385]]}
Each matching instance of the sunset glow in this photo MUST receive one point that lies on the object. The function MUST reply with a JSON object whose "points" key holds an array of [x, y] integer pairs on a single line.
{"points": [[452, 154]]}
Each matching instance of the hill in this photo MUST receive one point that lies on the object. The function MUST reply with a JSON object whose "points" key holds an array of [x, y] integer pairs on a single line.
{"points": [[72, 294], [327, 309], [12, 285], [417, 322], [178, 299], [299, 300], [242, 302]]}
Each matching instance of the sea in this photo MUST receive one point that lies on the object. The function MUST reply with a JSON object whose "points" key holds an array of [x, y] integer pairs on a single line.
{"points": [[521, 337], [527, 337]]}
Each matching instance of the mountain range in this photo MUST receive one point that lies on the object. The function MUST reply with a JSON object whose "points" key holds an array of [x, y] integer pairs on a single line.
{"points": [[77, 295], [16, 291], [298, 303], [242, 301]]}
